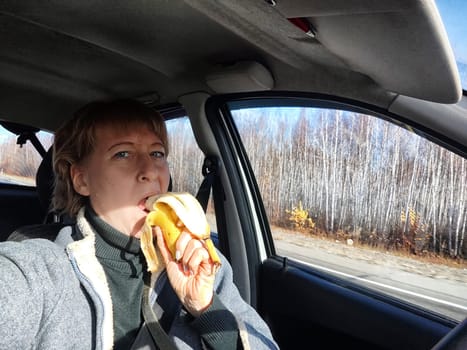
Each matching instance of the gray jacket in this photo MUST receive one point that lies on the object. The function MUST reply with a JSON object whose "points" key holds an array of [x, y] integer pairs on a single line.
{"points": [[54, 295]]}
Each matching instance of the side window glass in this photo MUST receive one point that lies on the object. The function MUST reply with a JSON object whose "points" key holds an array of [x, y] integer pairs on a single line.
{"points": [[185, 162], [19, 164], [363, 199]]}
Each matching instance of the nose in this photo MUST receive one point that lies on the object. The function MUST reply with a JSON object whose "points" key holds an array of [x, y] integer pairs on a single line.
{"points": [[148, 170]]}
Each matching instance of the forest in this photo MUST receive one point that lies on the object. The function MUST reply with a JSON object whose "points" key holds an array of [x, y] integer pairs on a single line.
{"points": [[18, 164], [347, 175], [331, 173]]}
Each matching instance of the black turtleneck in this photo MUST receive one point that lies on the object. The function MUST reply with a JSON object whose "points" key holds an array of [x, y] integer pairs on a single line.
{"points": [[121, 257]]}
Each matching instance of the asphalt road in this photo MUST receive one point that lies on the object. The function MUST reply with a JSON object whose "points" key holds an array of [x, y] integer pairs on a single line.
{"points": [[443, 290]]}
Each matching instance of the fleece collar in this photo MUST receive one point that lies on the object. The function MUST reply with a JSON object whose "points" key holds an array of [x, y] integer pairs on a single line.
{"points": [[83, 252]]}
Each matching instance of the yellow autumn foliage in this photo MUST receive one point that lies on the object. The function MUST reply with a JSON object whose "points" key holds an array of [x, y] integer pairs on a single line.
{"points": [[299, 218]]}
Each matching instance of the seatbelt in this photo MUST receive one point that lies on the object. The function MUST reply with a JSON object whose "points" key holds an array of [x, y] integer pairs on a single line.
{"points": [[210, 168], [158, 334], [168, 297]]}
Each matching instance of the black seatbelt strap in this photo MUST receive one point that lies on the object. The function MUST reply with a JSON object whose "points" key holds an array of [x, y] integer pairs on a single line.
{"points": [[168, 304], [158, 320], [212, 181], [210, 167], [158, 334]]}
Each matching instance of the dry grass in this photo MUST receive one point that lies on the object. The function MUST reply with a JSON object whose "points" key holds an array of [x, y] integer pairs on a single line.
{"points": [[426, 257], [16, 179]]}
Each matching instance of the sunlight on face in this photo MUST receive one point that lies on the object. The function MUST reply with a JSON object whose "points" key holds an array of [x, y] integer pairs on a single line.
{"points": [[124, 169]]}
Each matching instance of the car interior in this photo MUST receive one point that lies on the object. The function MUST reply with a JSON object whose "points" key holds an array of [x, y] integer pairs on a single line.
{"points": [[193, 57]]}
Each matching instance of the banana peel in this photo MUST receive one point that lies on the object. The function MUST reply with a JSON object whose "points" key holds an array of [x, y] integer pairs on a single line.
{"points": [[175, 212]]}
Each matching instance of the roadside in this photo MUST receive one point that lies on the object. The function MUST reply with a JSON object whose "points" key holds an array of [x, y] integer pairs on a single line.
{"points": [[16, 179], [375, 257]]}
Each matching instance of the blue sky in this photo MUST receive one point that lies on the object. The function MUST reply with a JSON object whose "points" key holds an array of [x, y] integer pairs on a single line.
{"points": [[3, 134], [454, 13]]}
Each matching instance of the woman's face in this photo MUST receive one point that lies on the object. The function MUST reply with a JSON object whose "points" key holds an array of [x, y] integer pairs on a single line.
{"points": [[125, 168]]}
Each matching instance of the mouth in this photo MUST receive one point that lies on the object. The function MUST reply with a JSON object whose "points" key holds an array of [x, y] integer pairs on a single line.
{"points": [[142, 204]]}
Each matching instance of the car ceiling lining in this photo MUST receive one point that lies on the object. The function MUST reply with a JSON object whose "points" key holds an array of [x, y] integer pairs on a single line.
{"points": [[64, 54], [389, 41]]}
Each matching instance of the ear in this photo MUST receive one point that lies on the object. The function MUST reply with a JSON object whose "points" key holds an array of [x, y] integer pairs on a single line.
{"points": [[79, 180]]}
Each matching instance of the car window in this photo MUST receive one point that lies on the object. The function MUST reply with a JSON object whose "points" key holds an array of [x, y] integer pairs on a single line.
{"points": [[364, 200], [19, 164], [453, 19], [185, 162]]}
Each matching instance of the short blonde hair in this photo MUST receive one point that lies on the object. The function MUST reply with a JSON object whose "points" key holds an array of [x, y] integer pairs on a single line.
{"points": [[75, 140]]}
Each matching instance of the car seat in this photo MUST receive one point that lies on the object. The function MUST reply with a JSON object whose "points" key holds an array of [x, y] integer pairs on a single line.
{"points": [[52, 223]]}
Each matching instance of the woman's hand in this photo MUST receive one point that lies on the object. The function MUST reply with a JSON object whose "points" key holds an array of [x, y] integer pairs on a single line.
{"points": [[191, 274]]}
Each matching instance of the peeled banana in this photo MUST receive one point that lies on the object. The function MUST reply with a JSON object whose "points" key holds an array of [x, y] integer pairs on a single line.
{"points": [[175, 212]]}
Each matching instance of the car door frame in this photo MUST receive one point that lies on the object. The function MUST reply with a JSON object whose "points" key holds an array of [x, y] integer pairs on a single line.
{"points": [[372, 320]]}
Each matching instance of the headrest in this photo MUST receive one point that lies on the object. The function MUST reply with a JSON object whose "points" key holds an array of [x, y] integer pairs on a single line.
{"points": [[45, 181]]}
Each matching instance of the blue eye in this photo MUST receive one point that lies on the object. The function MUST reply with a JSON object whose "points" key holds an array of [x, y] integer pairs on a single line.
{"points": [[158, 154], [122, 154]]}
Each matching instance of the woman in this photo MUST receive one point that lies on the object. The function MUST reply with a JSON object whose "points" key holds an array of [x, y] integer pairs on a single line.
{"points": [[85, 290]]}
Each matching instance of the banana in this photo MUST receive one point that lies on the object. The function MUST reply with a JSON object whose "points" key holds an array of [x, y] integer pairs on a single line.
{"points": [[175, 212]]}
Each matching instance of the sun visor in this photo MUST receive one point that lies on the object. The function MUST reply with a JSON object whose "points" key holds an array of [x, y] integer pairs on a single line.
{"points": [[242, 76], [402, 45]]}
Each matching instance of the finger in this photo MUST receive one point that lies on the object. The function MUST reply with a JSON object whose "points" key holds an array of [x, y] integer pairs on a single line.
{"points": [[181, 244], [199, 261], [191, 247], [166, 256]]}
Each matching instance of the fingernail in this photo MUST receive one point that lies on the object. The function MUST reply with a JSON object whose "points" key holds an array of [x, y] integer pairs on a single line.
{"points": [[178, 255]]}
